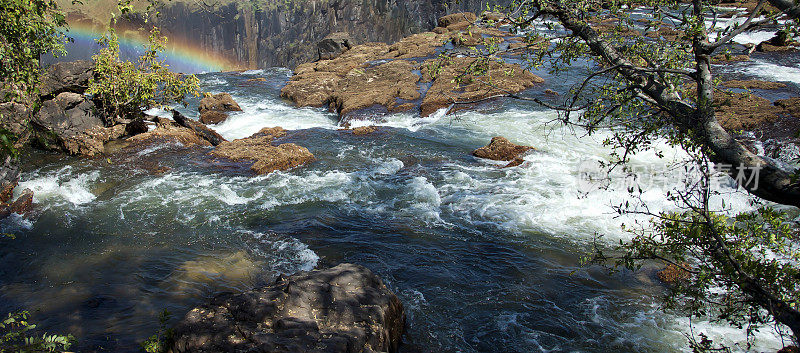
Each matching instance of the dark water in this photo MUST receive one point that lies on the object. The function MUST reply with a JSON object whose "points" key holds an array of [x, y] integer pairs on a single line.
{"points": [[484, 259]]}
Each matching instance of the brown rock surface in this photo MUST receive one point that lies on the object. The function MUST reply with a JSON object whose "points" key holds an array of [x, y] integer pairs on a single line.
{"points": [[672, 274], [380, 85], [213, 117], [792, 106], [445, 21], [199, 128], [500, 149], [502, 78], [364, 130], [344, 309], [736, 111], [222, 102], [753, 84], [23, 203], [266, 158], [168, 130]]}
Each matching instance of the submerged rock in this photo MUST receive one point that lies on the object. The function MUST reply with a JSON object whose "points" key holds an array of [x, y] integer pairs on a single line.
{"points": [[500, 149], [343, 309], [266, 158]]}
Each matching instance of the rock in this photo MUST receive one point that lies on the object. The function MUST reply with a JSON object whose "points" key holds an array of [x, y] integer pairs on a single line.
{"points": [[210, 117], [257, 79], [500, 149], [495, 17], [23, 203], [551, 93], [334, 45], [343, 309], [722, 59], [222, 102], [70, 122], [446, 21], [72, 76], [789, 349], [9, 178], [737, 111], [445, 90], [672, 274], [364, 130], [266, 158], [166, 131], [753, 84], [199, 128], [14, 118], [138, 126], [416, 46], [792, 106], [380, 85], [514, 163], [780, 42]]}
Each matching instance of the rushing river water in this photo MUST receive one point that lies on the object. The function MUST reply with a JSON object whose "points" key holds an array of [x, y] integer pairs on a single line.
{"points": [[484, 259]]}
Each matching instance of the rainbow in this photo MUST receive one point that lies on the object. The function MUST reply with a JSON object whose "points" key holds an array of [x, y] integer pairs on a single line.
{"points": [[181, 56]]}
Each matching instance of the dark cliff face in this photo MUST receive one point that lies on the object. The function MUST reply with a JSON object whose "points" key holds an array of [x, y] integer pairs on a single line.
{"points": [[287, 34]]}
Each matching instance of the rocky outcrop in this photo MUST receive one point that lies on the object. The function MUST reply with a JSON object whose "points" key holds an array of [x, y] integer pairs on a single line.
{"points": [[14, 118], [72, 76], [390, 78], [264, 156], [167, 131], [500, 149], [334, 45], [70, 122], [214, 109], [344, 309]]}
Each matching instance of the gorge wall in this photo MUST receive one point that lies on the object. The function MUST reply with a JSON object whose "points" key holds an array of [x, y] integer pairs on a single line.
{"points": [[257, 34]]}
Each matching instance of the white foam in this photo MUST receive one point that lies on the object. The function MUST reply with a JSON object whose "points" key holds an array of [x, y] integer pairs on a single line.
{"points": [[61, 185], [773, 72], [267, 113], [408, 121]]}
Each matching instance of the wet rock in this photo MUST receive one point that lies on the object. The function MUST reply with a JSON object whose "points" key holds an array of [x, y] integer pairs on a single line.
{"points": [[213, 117], [62, 77], [334, 45], [500, 149], [780, 42], [199, 128], [792, 106], [138, 126], [789, 349], [257, 79], [495, 17], [515, 163], [344, 309], [551, 93], [364, 130], [9, 178], [266, 158], [448, 20], [221, 102], [23, 203], [70, 122], [501, 79], [737, 111], [753, 84]]}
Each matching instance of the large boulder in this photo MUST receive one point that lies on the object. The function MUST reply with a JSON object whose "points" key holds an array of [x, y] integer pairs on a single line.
{"points": [[9, 178], [742, 110], [334, 45], [70, 122], [265, 157], [221, 102], [500, 149], [72, 76], [344, 309]]}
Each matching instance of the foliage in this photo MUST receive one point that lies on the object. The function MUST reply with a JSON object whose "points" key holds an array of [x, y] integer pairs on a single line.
{"points": [[157, 342], [17, 336], [29, 29], [127, 88]]}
